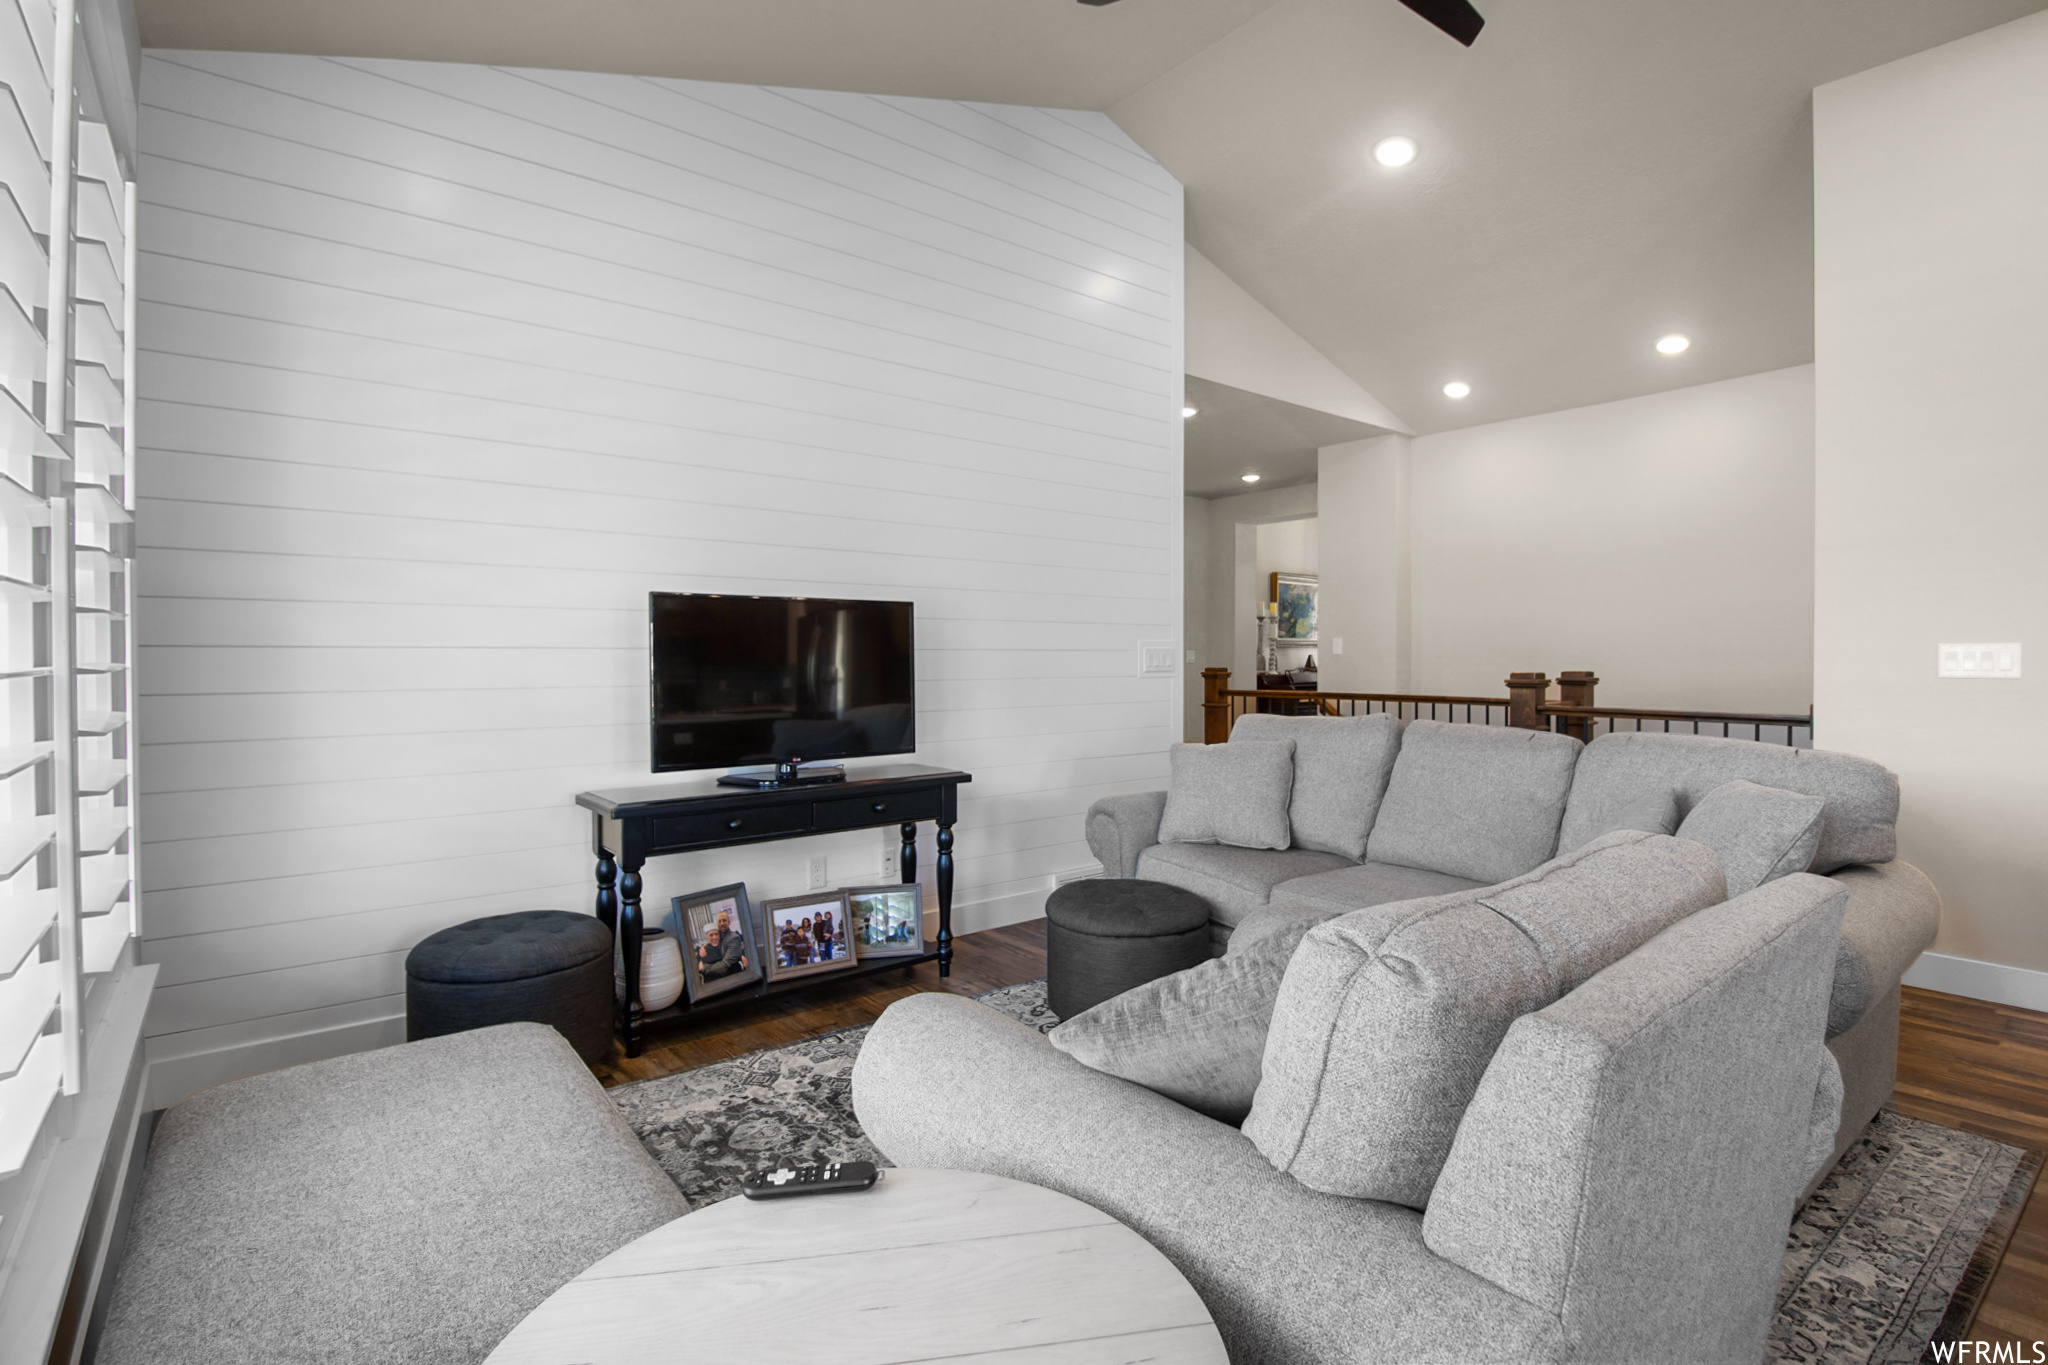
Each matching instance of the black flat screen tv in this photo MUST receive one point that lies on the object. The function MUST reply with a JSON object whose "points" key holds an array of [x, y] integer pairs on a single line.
{"points": [[739, 681]]}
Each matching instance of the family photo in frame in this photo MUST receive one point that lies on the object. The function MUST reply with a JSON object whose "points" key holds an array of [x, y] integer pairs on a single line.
{"points": [[806, 935], [887, 921], [716, 933]]}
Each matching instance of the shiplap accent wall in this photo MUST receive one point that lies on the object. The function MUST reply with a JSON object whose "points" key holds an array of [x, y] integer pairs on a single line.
{"points": [[447, 366]]}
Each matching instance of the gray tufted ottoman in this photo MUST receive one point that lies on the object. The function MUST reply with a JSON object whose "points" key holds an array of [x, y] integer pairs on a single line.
{"points": [[547, 966], [1104, 936]]}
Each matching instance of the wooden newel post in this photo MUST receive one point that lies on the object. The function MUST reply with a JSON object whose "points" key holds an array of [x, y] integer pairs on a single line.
{"points": [[1575, 688], [1525, 693], [1215, 706]]}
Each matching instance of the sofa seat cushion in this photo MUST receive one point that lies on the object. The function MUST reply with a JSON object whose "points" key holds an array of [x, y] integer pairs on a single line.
{"points": [[1235, 881], [412, 1203], [1475, 801], [1858, 825], [1354, 888], [1341, 766], [1229, 794], [1387, 1017]]}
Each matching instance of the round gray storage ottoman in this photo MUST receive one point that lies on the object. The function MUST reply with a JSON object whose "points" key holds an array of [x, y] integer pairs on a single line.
{"points": [[544, 966], [1102, 937]]}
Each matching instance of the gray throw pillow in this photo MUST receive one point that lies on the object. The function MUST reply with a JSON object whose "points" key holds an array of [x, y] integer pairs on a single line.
{"points": [[1759, 833], [1341, 766], [1197, 1036], [1387, 1017], [1229, 794], [1651, 812]]}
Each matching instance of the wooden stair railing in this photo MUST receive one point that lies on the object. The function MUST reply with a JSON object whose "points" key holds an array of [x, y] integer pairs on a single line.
{"points": [[1527, 706]]}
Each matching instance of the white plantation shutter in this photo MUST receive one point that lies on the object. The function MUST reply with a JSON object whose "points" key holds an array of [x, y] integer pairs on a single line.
{"points": [[67, 902]]}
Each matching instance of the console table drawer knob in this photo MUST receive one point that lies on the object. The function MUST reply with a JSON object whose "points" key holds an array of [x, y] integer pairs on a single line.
{"points": [[733, 824], [881, 806]]}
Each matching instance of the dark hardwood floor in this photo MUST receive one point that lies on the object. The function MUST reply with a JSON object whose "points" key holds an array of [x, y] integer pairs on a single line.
{"points": [[1984, 1068], [1964, 1063]]}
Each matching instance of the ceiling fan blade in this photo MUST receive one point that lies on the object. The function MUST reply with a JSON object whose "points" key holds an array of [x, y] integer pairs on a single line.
{"points": [[1454, 17]]}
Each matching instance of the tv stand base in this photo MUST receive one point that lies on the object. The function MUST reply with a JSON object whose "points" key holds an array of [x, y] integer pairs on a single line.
{"points": [[782, 775]]}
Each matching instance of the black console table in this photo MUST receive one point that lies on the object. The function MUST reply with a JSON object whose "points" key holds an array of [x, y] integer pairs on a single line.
{"points": [[631, 825]]}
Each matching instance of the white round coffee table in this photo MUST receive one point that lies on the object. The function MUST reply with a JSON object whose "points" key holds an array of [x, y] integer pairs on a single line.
{"points": [[927, 1266]]}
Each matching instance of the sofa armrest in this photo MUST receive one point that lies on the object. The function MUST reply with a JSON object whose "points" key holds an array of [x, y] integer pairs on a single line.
{"points": [[1289, 1274], [1121, 827], [1891, 917]]}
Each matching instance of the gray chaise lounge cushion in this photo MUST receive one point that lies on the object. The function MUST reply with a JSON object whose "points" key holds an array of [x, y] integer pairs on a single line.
{"points": [[1860, 824], [412, 1203], [1476, 801], [1235, 881], [1197, 1036], [1759, 833], [1232, 794], [1387, 1017], [1341, 766]]}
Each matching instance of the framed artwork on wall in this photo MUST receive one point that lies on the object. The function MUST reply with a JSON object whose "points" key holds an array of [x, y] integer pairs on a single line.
{"points": [[1295, 595]]}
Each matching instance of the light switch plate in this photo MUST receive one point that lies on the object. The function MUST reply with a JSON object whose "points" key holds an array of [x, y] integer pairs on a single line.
{"points": [[1158, 658], [1978, 661]]}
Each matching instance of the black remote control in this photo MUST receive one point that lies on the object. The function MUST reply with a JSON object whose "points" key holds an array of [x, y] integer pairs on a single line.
{"points": [[784, 1181]]}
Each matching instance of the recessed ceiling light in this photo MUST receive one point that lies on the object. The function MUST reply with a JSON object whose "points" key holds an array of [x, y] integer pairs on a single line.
{"points": [[1457, 388], [1249, 478], [1189, 411], [1394, 151], [1673, 344]]}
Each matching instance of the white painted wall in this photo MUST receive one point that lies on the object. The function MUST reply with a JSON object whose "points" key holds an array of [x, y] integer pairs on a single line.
{"points": [[1664, 542], [1931, 208], [449, 366], [1364, 507]]}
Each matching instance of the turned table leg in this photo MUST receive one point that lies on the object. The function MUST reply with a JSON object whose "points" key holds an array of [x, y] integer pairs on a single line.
{"points": [[945, 900]]}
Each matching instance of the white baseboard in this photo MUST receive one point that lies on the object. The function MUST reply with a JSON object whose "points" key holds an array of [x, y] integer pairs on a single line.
{"points": [[998, 911], [2022, 987]]}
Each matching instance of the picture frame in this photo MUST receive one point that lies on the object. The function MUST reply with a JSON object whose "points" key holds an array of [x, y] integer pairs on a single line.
{"points": [[886, 921], [703, 925], [792, 943], [1295, 595]]}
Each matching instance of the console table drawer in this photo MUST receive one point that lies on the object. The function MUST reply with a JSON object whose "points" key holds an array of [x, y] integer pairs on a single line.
{"points": [[852, 812], [733, 827]]}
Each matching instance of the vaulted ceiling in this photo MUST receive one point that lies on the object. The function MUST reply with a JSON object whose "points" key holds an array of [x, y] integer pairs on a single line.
{"points": [[1593, 174]]}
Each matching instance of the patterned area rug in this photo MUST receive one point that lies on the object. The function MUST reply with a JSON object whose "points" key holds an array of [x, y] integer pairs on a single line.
{"points": [[1894, 1249]]}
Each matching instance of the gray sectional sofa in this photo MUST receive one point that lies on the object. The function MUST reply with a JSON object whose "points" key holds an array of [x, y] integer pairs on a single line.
{"points": [[1623, 1161], [1490, 800]]}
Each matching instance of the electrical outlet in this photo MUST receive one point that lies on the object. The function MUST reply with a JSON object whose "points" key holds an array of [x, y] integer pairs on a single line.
{"points": [[1337, 644], [892, 856], [818, 873]]}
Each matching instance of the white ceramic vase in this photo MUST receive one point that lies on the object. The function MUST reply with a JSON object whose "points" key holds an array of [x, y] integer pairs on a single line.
{"points": [[661, 972]]}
